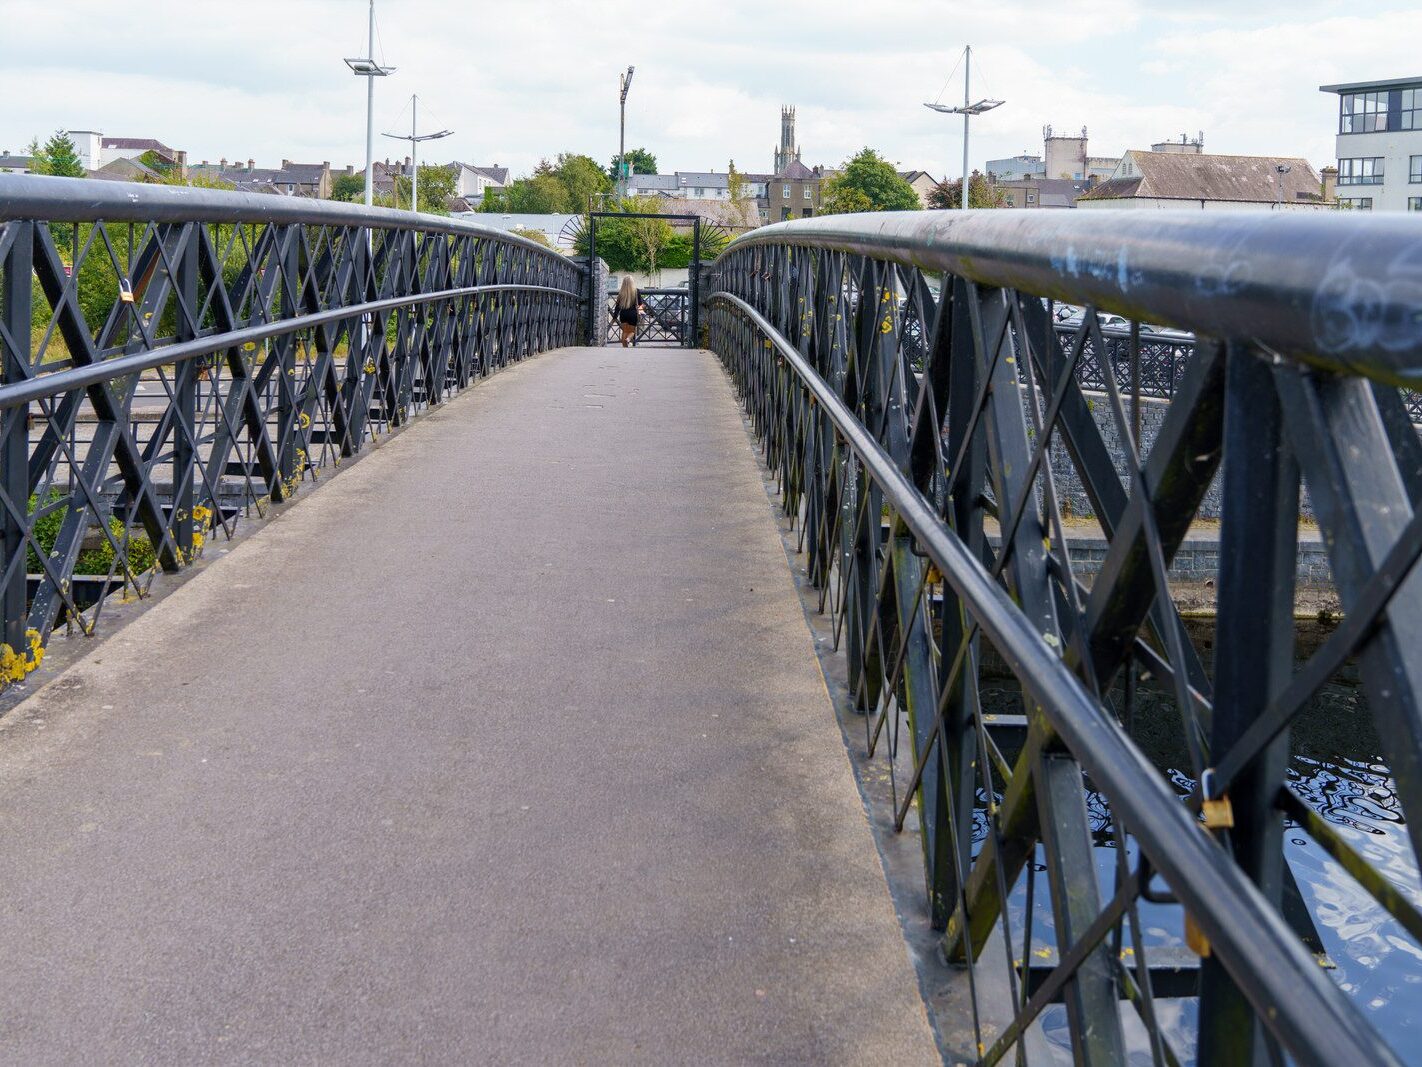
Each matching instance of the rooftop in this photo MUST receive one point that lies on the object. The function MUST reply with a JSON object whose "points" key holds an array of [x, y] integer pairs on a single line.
{"points": [[796, 171], [1170, 176], [1385, 83], [137, 144]]}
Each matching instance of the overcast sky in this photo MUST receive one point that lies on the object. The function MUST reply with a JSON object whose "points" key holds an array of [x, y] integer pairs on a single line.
{"points": [[521, 79]]}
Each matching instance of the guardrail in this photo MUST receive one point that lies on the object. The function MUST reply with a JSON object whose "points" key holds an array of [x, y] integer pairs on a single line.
{"points": [[172, 359], [907, 379], [665, 320]]}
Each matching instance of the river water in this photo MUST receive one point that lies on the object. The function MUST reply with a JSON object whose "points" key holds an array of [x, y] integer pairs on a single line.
{"points": [[1337, 765]]}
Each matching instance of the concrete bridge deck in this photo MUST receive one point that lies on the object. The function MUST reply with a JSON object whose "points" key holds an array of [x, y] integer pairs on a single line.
{"points": [[508, 745]]}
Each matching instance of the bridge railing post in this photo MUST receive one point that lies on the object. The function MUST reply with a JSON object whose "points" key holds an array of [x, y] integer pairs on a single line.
{"points": [[1254, 647], [16, 310], [285, 352], [185, 394]]}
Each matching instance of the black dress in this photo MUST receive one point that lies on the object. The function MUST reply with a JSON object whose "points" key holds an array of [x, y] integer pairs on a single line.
{"points": [[628, 315]]}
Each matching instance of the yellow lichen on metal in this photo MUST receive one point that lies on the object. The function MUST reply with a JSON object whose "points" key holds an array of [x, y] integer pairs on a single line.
{"points": [[201, 517], [16, 666]]}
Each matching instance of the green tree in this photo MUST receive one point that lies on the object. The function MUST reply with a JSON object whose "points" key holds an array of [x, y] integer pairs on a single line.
{"points": [[557, 188], [867, 182], [630, 244], [541, 194], [582, 177], [348, 187], [153, 161], [39, 162], [437, 184], [60, 157], [639, 161], [947, 195], [742, 204]]}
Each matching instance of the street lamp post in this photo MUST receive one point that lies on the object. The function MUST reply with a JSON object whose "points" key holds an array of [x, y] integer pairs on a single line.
{"points": [[967, 111], [624, 83], [369, 69], [415, 138]]}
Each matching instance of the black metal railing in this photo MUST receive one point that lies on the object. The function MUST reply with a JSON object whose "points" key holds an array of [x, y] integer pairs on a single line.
{"points": [[907, 378], [665, 318], [177, 358]]}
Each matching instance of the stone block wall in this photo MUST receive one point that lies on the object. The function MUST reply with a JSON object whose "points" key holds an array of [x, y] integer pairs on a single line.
{"points": [[1073, 494]]}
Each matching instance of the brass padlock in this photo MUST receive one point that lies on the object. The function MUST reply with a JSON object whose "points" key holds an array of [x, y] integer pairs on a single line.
{"points": [[1216, 809], [1219, 815], [125, 290]]}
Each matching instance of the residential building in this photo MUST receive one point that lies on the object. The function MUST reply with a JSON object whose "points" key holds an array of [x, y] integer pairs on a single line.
{"points": [[1041, 192], [95, 151], [921, 182], [311, 180], [1015, 168], [470, 181], [1067, 157], [1175, 180], [684, 185], [794, 192], [13, 164], [788, 151], [1379, 144], [664, 185]]}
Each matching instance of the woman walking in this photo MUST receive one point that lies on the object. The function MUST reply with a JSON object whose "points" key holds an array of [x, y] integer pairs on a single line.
{"points": [[629, 305]]}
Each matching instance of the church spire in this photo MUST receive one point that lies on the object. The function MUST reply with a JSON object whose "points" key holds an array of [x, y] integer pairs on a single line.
{"points": [[788, 149]]}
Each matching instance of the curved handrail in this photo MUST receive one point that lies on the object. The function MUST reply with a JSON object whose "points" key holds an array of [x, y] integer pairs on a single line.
{"points": [[1338, 291], [34, 196]]}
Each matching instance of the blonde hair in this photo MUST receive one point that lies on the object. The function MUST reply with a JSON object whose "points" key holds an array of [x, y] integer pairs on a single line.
{"points": [[627, 294]]}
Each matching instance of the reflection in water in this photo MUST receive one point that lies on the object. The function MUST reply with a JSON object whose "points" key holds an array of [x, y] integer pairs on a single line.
{"points": [[1338, 768]]}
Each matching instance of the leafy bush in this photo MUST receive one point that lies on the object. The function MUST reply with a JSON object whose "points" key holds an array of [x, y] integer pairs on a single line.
{"points": [[100, 561]]}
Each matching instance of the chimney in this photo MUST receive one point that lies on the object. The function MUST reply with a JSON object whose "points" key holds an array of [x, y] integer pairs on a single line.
{"points": [[350, 169], [286, 164], [1330, 183], [222, 162]]}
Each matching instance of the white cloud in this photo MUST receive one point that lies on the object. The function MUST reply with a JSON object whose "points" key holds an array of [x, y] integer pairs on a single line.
{"points": [[520, 80]]}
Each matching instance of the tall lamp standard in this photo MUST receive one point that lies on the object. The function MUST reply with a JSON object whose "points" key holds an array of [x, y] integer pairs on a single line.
{"points": [[624, 83], [967, 111], [415, 139], [369, 69]]}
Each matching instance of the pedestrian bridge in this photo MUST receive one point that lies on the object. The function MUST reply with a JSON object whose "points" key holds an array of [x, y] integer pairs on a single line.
{"points": [[510, 744], [392, 676]]}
